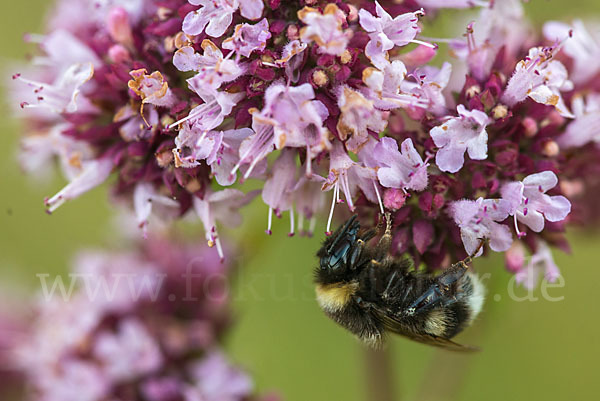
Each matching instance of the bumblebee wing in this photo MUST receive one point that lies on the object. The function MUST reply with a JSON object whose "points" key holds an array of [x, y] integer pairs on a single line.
{"points": [[397, 327]]}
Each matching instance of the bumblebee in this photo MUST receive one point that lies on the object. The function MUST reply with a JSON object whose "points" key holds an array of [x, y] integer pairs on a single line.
{"points": [[371, 293]]}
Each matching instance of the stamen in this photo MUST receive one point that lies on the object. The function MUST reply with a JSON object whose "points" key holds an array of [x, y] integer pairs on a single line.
{"points": [[333, 199], [269, 221], [378, 198], [312, 225], [301, 224], [199, 141], [219, 249], [420, 42], [520, 233], [184, 119], [291, 233]]}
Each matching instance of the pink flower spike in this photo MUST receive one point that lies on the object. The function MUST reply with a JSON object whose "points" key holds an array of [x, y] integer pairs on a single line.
{"points": [[92, 174], [465, 133]]}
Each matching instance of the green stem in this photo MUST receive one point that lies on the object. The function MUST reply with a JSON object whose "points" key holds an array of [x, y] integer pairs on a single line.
{"points": [[379, 375]]}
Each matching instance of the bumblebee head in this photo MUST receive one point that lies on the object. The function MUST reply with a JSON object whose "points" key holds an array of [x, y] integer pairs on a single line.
{"points": [[339, 253]]}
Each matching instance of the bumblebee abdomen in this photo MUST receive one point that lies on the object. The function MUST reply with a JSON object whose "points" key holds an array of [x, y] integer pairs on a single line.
{"points": [[448, 320]]}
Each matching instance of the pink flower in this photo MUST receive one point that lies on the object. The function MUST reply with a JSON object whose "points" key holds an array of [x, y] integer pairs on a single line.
{"points": [[541, 78], [62, 50], [500, 25], [384, 87], [119, 26], [215, 16], [296, 120], [248, 38], [255, 148], [219, 150], [386, 32], [92, 173], [586, 126], [325, 29], [277, 191], [77, 381], [348, 176], [579, 44], [152, 89], [128, 353], [465, 133], [309, 200], [452, 3], [210, 114], [215, 379], [429, 86], [403, 169], [142, 324], [541, 261], [194, 145], [514, 258], [529, 203], [358, 116], [212, 68], [222, 206], [227, 155], [145, 199], [479, 220], [63, 96], [292, 59]]}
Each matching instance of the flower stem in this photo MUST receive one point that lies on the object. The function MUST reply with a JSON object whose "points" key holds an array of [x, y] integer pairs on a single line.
{"points": [[379, 375]]}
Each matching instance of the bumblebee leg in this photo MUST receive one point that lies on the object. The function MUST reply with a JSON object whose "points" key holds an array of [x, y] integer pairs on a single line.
{"points": [[385, 242], [464, 264], [355, 254]]}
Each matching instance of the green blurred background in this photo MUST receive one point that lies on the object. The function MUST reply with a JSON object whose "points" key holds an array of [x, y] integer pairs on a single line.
{"points": [[539, 350]]}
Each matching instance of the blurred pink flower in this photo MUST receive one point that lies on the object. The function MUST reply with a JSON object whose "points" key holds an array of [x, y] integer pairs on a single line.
{"points": [[141, 325]]}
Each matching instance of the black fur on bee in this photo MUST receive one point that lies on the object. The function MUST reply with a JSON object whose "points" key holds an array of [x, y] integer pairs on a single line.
{"points": [[369, 292]]}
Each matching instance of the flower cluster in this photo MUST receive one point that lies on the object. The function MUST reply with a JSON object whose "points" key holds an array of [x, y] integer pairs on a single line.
{"points": [[141, 325], [322, 100]]}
